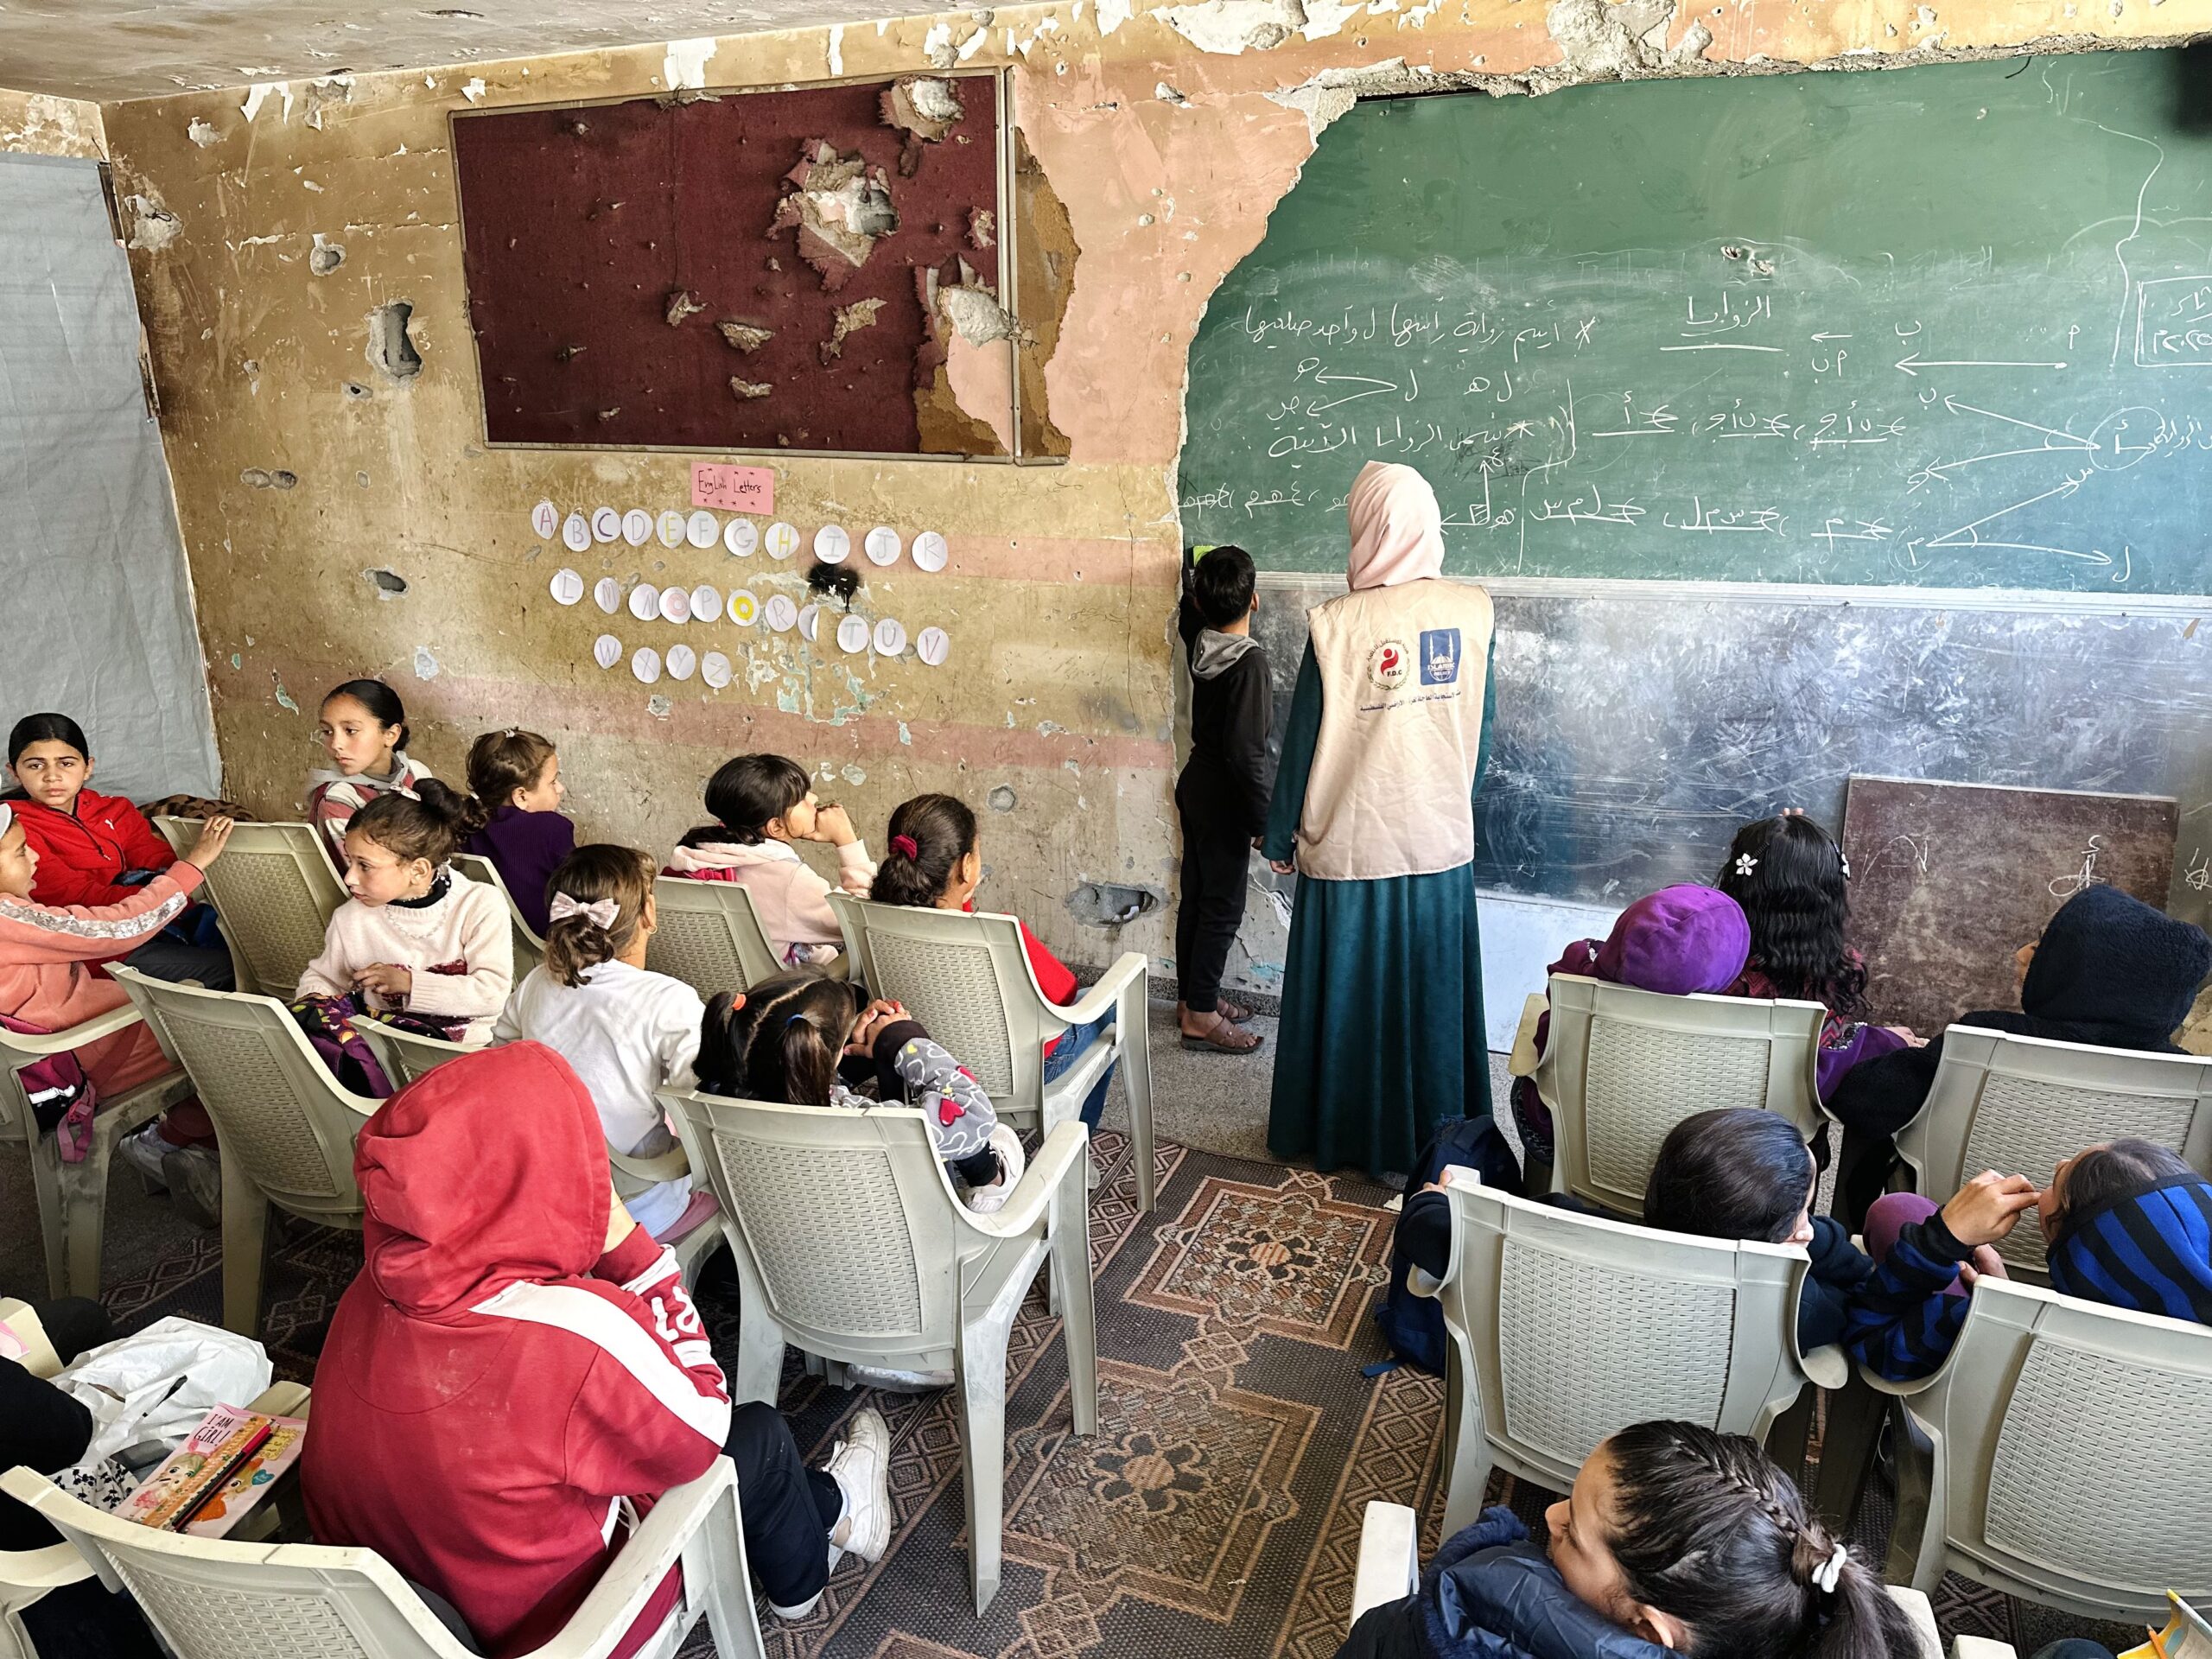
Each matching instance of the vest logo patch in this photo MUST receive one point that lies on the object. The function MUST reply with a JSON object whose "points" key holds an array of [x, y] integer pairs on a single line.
{"points": [[1389, 664], [1440, 657]]}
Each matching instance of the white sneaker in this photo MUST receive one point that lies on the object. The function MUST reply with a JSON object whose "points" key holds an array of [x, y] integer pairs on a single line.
{"points": [[195, 1178], [800, 1611], [983, 1200], [861, 1467], [143, 1150]]}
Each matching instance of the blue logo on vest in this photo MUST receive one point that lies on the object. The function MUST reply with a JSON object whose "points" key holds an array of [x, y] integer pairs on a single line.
{"points": [[1440, 657]]}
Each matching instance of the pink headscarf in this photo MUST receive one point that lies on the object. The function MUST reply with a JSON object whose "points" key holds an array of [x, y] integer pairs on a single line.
{"points": [[1397, 533]]}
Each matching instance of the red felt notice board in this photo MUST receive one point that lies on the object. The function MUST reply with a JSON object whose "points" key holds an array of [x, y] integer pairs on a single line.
{"points": [[580, 222]]}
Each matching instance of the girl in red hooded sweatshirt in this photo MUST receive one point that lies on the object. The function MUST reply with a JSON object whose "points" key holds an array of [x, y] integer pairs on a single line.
{"points": [[518, 1356]]}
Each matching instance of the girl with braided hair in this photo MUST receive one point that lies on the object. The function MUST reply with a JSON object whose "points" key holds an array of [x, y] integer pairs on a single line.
{"points": [[1675, 1541]]}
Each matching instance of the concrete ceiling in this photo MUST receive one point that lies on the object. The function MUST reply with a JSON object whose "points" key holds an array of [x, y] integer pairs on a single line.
{"points": [[110, 50]]}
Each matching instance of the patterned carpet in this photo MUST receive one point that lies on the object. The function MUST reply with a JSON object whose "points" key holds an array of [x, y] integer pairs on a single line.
{"points": [[1215, 1514]]}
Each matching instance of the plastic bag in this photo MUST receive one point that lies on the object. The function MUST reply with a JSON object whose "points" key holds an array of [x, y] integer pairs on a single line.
{"points": [[158, 1383]]}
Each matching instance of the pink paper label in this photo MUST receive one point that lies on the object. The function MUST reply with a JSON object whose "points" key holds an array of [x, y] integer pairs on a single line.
{"points": [[733, 489]]}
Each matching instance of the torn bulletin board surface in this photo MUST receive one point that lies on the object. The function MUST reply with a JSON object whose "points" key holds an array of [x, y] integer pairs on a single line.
{"points": [[810, 269]]}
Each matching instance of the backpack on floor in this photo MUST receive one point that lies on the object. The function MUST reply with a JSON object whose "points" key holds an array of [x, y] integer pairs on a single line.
{"points": [[1414, 1325]]}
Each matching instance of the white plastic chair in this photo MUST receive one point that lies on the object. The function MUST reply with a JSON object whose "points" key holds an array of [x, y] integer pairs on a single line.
{"points": [[214, 1599], [406, 1056], [530, 949], [1389, 1570], [849, 1243], [1621, 1067], [967, 979], [2062, 1453], [709, 935], [284, 1125], [2023, 1105], [72, 1198], [274, 891], [1564, 1327]]}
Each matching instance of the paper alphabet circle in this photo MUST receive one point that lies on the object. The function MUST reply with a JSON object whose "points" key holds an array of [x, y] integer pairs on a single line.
{"points": [[931, 646], [852, 634], [681, 660], [810, 621], [713, 669], [930, 552], [644, 663], [544, 520], [567, 586], [606, 651], [671, 527], [607, 593], [882, 545], [782, 614], [644, 602], [890, 637], [637, 526], [783, 540], [675, 605], [706, 603], [575, 533], [744, 610], [606, 524], [741, 537], [704, 529], [832, 544]]}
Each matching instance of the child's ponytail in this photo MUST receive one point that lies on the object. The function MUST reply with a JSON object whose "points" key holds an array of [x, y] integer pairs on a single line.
{"points": [[930, 836], [781, 1041], [1858, 1619], [500, 763], [596, 901]]}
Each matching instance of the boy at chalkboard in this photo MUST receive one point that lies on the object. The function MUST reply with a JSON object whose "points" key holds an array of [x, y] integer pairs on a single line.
{"points": [[1222, 797]]}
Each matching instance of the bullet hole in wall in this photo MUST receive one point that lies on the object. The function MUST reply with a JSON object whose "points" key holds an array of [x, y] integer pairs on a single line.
{"points": [[1002, 799], [389, 348], [389, 584], [1104, 904], [838, 581], [325, 258]]}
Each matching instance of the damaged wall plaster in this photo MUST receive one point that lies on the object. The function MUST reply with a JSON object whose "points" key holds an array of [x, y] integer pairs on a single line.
{"points": [[36, 124], [1146, 166]]}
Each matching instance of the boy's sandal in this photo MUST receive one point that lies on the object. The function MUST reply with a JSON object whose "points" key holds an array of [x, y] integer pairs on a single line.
{"points": [[1236, 1012], [1224, 1038]]}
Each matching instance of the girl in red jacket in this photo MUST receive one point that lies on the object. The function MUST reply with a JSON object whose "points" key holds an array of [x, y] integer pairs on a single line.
{"points": [[97, 849]]}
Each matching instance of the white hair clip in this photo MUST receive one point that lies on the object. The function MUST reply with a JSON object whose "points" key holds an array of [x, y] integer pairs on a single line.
{"points": [[1830, 1572], [1844, 859], [602, 914], [1745, 863]]}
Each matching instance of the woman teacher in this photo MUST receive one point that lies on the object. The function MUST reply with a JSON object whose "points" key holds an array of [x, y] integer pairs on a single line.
{"points": [[1382, 1032]]}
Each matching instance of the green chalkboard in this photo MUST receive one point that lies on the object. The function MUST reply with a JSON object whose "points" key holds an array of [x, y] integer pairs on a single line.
{"points": [[1948, 325]]}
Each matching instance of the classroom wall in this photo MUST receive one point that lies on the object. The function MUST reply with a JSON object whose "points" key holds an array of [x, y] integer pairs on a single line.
{"points": [[1166, 136], [34, 123]]}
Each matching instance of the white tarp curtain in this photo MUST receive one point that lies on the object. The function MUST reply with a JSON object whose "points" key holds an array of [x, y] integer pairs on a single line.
{"points": [[95, 604]]}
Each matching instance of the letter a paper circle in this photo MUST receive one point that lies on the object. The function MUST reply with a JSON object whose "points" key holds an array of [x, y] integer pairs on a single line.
{"points": [[671, 527], [544, 520], [644, 663], [890, 637], [713, 669], [852, 634], [704, 529], [607, 593], [681, 660], [783, 540], [932, 648], [675, 605], [832, 545], [782, 614], [930, 552], [741, 537], [744, 610], [706, 603], [606, 651], [575, 533], [567, 586], [644, 602], [606, 524], [882, 545], [810, 620], [637, 526]]}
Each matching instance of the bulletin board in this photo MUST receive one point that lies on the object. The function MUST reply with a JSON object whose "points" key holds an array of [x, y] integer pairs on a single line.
{"points": [[803, 271]]}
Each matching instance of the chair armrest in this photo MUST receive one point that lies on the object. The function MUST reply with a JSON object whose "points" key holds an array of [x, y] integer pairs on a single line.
{"points": [[48, 1568], [22, 1047], [282, 1400], [1025, 1205], [669, 1167], [1522, 1064], [1105, 996], [1898, 1391], [1826, 1368], [599, 1626], [1389, 1557], [1980, 1646]]}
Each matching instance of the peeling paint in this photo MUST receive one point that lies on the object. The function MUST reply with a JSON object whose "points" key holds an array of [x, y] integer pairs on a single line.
{"points": [[685, 63], [426, 665], [837, 51], [257, 94], [283, 697], [1230, 26], [201, 134], [659, 706], [472, 88], [153, 227]]}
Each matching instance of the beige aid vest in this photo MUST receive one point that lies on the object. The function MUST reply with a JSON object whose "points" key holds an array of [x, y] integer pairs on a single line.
{"points": [[1402, 719]]}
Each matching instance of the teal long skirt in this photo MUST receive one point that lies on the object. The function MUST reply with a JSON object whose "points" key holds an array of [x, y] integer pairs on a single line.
{"points": [[1382, 1031]]}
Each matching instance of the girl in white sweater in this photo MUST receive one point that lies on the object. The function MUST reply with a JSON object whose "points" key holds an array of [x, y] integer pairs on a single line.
{"points": [[418, 946], [626, 1031]]}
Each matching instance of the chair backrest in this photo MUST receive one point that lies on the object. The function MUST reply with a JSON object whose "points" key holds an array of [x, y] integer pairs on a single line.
{"points": [[211, 1598], [843, 1217], [708, 936], [277, 1110], [2023, 1105], [1621, 1067], [530, 949], [2066, 1431], [967, 979], [1570, 1326], [275, 889]]}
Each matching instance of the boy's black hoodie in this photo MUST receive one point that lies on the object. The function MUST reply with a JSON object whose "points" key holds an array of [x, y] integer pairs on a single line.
{"points": [[1230, 775]]}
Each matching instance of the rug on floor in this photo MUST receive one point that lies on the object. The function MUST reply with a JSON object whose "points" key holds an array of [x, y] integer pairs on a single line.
{"points": [[1215, 1514]]}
